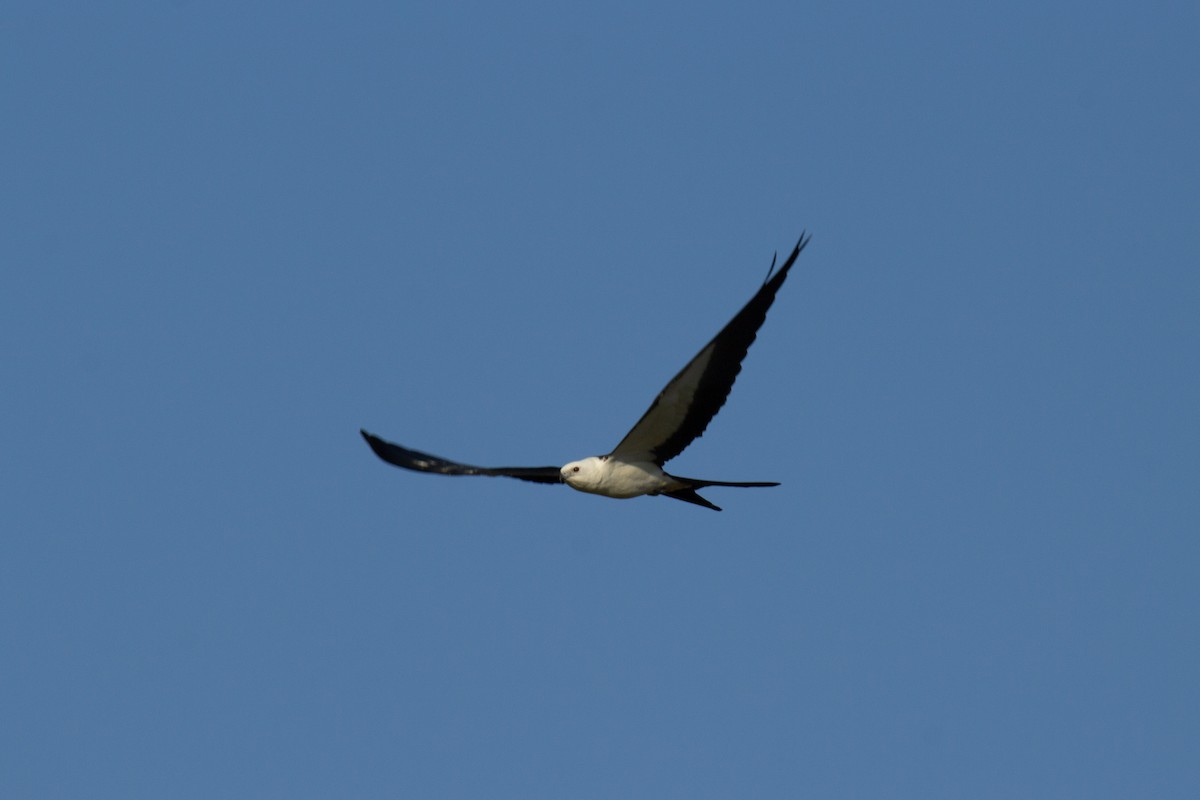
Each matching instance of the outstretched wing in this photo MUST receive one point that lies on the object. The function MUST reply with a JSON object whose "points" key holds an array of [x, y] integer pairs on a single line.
{"points": [[423, 462], [684, 408]]}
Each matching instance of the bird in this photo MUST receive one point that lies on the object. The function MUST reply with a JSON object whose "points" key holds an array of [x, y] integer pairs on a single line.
{"points": [[678, 416]]}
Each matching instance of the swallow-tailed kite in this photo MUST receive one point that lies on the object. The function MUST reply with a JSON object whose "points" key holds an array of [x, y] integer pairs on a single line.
{"points": [[674, 420]]}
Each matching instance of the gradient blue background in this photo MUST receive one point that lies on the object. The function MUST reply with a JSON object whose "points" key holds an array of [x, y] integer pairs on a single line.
{"points": [[235, 233]]}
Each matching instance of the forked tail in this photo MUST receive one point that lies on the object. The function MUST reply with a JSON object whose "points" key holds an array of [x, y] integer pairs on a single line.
{"points": [[689, 495]]}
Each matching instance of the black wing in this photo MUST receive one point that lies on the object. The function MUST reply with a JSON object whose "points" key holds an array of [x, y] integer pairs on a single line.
{"points": [[684, 408], [423, 462]]}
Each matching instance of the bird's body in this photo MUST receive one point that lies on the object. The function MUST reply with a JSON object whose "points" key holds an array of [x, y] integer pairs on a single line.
{"points": [[612, 477], [677, 417]]}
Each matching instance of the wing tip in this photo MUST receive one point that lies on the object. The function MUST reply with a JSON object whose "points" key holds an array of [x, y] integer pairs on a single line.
{"points": [[377, 445], [801, 243]]}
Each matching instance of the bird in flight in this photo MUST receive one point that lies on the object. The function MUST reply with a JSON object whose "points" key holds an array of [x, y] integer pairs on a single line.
{"points": [[676, 418]]}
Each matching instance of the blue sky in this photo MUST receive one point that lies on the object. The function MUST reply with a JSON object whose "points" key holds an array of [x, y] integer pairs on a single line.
{"points": [[234, 234]]}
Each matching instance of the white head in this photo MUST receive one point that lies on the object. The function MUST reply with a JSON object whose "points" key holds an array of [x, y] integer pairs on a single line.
{"points": [[585, 475]]}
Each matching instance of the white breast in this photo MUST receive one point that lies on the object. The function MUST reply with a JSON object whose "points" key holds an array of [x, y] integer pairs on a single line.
{"points": [[613, 478]]}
